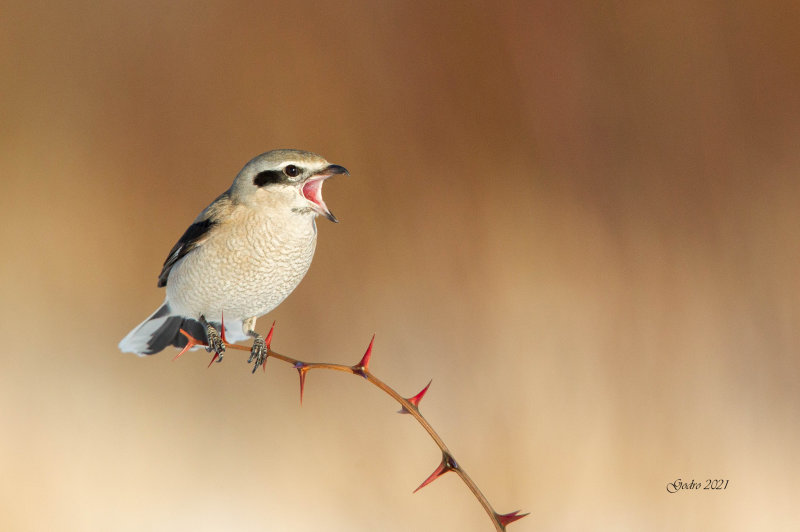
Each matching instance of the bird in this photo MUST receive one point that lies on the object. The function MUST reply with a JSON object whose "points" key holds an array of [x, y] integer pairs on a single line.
{"points": [[241, 257]]}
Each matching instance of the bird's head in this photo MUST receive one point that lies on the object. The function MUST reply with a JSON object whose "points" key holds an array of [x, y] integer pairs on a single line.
{"points": [[286, 179]]}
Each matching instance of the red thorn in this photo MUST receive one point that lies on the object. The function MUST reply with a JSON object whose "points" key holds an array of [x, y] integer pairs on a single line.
{"points": [[222, 324], [216, 356], [363, 365], [416, 399], [301, 370], [443, 468], [507, 519], [191, 341], [268, 343], [268, 340]]}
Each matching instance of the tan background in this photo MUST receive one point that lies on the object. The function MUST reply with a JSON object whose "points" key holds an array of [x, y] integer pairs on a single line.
{"points": [[581, 222]]}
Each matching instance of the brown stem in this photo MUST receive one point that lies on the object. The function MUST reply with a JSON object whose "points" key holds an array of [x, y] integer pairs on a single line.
{"points": [[448, 460]]}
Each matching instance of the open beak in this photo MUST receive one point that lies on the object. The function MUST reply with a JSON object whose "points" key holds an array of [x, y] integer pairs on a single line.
{"points": [[312, 189]]}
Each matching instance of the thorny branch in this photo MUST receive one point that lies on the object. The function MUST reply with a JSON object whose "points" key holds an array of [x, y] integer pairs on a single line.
{"points": [[408, 405]]}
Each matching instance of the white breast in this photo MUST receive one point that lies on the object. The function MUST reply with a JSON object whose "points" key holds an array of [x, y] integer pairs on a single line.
{"points": [[246, 268]]}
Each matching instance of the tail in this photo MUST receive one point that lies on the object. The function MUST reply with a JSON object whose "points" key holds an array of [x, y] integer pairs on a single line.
{"points": [[161, 330]]}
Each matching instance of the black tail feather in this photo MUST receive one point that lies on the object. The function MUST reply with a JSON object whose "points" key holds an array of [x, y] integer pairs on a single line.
{"points": [[169, 334]]}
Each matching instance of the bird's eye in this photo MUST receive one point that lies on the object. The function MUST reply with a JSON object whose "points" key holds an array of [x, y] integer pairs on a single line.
{"points": [[291, 171]]}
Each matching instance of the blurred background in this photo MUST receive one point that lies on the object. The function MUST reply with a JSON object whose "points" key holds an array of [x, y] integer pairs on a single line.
{"points": [[579, 219]]}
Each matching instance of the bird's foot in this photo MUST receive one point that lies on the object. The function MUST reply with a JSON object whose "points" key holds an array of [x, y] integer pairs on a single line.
{"points": [[215, 343], [258, 352]]}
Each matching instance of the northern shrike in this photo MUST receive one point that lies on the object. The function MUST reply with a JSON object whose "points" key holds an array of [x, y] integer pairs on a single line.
{"points": [[241, 257]]}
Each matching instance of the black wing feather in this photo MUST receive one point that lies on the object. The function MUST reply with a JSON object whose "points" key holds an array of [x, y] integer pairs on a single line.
{"points": [[187, 243]]}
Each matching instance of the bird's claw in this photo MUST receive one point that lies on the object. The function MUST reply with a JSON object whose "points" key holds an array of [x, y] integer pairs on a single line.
{"points": [[215, 343], [258, 353]]}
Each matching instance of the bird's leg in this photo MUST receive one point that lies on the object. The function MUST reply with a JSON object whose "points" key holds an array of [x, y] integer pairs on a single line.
{"points": [[215, 343], [259, 350]]}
